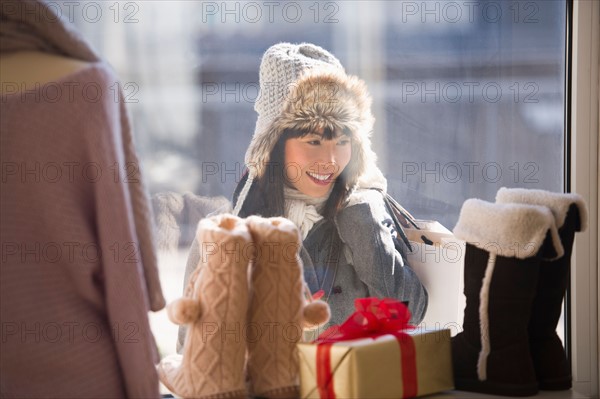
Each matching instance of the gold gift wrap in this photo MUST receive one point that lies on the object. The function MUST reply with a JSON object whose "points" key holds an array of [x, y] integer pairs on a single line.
{"points": [[372, 368]]}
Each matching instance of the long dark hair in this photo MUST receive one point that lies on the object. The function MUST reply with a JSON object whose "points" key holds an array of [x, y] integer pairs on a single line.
{"points": [[266, 198]]}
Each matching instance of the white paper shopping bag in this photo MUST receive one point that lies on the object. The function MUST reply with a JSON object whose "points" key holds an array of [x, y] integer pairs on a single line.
{"points": [[437, 258]]}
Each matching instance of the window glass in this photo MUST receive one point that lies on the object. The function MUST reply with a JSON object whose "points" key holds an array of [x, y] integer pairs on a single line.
{"points": [[468, 95]]}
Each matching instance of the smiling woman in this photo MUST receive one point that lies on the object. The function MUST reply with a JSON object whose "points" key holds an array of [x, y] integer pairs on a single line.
{"points": [[310, 160]]}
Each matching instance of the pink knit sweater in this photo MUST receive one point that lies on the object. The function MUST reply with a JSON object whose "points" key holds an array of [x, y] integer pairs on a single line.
{"points": [[74, 287]]}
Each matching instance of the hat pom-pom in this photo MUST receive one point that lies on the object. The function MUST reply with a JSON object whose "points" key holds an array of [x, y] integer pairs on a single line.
{"points": [[316, 313], [184, 311]]}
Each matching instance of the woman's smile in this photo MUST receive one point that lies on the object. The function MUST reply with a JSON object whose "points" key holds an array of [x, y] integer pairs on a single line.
{"points": [[322, 180]]}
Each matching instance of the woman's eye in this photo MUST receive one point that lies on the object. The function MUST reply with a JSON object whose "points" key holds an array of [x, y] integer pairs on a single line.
{"points": [[314, 142], [343, 142]]}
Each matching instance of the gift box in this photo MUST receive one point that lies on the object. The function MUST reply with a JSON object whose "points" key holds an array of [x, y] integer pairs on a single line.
{"points": [[437, 257], [375, 355]]}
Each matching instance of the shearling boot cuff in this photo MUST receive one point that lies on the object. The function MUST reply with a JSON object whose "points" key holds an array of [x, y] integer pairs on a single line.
{"points": [[509, 230], [559, 203]]}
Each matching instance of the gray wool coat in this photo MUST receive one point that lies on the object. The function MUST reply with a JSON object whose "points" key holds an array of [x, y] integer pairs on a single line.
{"points": [[352, 257], [369, 264]]}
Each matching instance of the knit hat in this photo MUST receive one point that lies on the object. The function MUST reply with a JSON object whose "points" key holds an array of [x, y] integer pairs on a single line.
{"points": [[304, 87]]}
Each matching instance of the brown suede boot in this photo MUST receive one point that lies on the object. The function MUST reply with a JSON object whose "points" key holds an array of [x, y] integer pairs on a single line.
{"points": [[502, 259], [552, 368], [214, 307], [278, 310]]}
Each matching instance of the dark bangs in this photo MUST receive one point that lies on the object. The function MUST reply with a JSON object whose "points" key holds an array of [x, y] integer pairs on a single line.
{"points": [[328, 133]]}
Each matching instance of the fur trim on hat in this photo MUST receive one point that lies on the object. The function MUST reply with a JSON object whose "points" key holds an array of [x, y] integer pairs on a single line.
{"points": [[508, 230], [559, 203], [322, 99]]}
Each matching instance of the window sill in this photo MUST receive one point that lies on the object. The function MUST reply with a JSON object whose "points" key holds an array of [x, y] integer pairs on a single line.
{"points": [[571, 394]]}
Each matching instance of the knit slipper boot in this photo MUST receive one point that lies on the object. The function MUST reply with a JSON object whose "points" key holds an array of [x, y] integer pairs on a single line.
{"points": [[552, 368], [277, 311], [214, 307], [502, 258]]}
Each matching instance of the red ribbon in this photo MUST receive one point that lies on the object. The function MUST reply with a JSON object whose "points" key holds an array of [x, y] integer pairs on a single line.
{"points": [[373, 318]]}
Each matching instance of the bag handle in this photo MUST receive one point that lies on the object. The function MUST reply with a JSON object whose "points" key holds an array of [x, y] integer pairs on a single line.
{"points": [[401, 217]]}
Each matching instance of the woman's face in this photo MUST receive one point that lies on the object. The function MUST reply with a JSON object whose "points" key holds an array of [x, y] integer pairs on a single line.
{"points": [[312, 163]]}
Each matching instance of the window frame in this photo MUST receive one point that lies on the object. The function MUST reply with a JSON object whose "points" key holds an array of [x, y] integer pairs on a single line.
{"points": [[582, 178]]}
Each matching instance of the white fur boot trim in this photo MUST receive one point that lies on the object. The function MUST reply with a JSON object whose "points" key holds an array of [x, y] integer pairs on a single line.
{"points": [[559, 203], [484, 318], [508, 230]]}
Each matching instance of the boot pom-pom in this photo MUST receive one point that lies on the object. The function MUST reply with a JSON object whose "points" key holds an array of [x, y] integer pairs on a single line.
{"points": [[184, 311], [316, 313]]}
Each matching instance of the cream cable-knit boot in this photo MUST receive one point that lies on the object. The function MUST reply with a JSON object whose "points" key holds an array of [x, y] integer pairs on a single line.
{"points": [[214, 306], [278, 310]]}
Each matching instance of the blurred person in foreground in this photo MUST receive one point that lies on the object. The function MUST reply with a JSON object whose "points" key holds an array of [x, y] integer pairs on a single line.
{"points": [[78, 272]]}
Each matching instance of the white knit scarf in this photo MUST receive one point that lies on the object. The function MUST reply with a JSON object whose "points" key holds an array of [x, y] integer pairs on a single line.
{"points": [[303, 209]]}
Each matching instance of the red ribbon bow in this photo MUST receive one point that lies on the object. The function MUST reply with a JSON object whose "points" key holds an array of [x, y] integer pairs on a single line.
{"points": [[373, 318]]}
